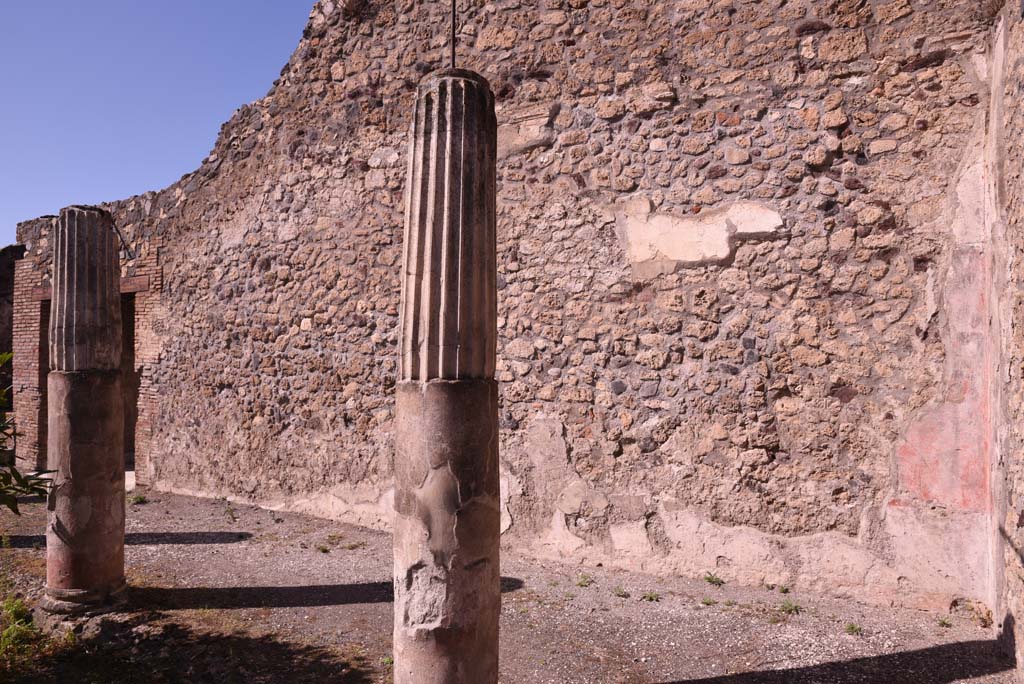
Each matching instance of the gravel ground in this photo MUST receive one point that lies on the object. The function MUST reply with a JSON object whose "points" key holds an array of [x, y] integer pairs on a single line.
{"points": [[222, 592]]}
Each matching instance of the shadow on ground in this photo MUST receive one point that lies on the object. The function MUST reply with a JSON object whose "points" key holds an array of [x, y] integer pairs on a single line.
{"points": [[145, 650], [272, 597], [31, 541], [936, 665]]}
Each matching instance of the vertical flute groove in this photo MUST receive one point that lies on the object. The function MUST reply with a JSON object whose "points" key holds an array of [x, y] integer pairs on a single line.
{"points": [[85, 314], [449, 270]]}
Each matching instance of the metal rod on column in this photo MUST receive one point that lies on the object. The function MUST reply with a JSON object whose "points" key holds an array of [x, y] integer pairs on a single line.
{"points": [[454, 24]]}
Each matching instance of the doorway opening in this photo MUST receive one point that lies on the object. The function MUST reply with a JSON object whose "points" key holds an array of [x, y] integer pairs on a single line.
{"points": [[130, 379], [44, 371]]}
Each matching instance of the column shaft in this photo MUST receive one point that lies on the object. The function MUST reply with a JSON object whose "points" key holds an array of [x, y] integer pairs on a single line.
{"points": [[85, 530], [447, 522]]}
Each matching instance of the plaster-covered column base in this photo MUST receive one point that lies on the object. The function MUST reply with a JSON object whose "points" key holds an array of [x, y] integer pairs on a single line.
{"points": [[447, 579], [85, 529]]}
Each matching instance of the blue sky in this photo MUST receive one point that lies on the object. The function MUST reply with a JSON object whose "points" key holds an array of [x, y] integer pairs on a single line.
{"points": [[104, 99]]}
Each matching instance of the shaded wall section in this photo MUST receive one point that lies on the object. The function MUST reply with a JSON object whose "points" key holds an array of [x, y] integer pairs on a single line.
{"points": [[1008, 114], [8, 256]]}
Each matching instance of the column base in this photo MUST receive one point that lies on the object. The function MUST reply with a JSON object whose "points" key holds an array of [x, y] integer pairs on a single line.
{"points": [[83, 601]]}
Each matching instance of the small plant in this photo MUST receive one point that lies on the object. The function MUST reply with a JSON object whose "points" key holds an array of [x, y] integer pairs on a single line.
{"points": [[352, 546], [17, 633], [945, 623], [651, 597], [387, 661], [620, 592], [5, 541], [17, 637], [323, 548], [790, 608], [231, 513], [584, 580], [709, 601], [15, 610], [12, 482], [713, 579], [730, 603], [783, 589], [138, 500], [334, 539], [853, 629]]}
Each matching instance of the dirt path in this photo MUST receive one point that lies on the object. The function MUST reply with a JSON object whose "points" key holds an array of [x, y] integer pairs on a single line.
{"points": [[222, 592]]}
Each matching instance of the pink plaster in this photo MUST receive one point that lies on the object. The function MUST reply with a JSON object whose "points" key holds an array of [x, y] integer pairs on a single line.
{"points": [[945, 455]]}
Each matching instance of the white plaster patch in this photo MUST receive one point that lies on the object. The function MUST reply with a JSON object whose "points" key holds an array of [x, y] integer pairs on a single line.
{"points": [[525, 130], [630, 539], [923, 540], [508, 484], [740, 554], [658, 243], [559, 539]]}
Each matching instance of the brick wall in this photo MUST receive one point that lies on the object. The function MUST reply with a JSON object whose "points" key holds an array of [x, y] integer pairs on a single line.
{"points": [[28, 374], [147, 354], [141, 276]]}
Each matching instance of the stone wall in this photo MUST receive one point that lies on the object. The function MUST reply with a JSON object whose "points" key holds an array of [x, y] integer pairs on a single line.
{"points": [[745, 291], [1008, 114]]}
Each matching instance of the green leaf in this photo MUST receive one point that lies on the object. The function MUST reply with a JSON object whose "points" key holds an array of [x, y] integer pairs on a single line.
{"points": [[10, 501], [18, 477]]}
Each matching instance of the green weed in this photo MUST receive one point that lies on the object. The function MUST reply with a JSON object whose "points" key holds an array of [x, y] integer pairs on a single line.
{"points": [[713, 579], [584, 580]]}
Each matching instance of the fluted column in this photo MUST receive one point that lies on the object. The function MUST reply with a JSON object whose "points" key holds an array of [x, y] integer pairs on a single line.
{"points": [[85, 530], [447, 522]]}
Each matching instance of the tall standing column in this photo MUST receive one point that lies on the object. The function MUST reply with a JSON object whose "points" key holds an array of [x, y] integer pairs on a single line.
{"points": [[447, 523], [85, 530]]}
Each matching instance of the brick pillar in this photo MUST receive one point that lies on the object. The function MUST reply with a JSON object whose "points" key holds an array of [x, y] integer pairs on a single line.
{"points": [[147, 355], [447, 523], [85, 529], [30, 366]]}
